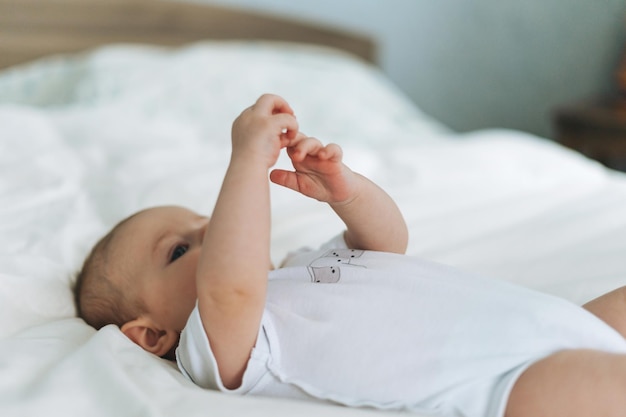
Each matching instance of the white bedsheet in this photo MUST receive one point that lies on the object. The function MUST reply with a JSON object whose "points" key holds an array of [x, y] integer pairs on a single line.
{"points": [[87, 140]]}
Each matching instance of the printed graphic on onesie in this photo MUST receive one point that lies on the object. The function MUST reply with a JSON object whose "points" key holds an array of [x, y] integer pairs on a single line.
{"points": [[326, 270]]}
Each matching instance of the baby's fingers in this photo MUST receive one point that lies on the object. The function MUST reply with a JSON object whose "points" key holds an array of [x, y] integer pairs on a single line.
{"points": [[272, 104], [331, 152], [305, 147], [289, 127], [290, 142]]}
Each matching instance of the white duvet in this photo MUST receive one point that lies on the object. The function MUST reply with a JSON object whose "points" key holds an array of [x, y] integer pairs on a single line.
{"points": [[88, 139]]}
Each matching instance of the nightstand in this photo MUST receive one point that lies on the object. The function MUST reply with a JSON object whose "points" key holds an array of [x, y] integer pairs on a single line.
{"points": [[596, 129]]}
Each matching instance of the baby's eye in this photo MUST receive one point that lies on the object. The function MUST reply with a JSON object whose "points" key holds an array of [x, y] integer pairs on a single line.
{"points": [[178, 251]]}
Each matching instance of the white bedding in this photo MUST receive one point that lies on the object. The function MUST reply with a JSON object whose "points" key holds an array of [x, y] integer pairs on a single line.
{"points": [[88, 139]]}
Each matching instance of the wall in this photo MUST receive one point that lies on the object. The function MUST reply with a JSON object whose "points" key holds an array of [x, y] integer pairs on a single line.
{"points": [[481, 63]]}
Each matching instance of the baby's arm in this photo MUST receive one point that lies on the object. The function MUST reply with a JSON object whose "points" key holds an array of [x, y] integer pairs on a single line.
{"points": [[372, 218], [232, 270]]}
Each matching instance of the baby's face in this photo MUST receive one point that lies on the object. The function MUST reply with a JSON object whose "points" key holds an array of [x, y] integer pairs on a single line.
{"points": [[159, 250]]}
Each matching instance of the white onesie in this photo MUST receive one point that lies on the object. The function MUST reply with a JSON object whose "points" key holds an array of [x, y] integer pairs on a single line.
{"points": [[388, 331]]}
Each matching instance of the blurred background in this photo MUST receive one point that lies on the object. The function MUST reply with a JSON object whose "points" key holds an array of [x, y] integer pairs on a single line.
{"points": [[481, 63]]}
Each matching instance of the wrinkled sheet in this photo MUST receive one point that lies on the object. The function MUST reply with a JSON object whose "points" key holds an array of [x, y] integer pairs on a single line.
{"points": [[86, 140]]}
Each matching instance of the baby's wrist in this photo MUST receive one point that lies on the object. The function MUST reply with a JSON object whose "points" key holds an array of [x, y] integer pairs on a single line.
{"points": [[251, 157], [353, 191]]}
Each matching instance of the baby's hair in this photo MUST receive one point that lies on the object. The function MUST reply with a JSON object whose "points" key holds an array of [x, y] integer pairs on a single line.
{"points": [[99, 299]]}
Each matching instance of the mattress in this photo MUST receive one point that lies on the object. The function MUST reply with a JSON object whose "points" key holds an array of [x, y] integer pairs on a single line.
{"points": [[87, 139]]}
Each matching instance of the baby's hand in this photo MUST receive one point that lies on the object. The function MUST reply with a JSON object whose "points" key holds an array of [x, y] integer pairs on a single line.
{"points": [[319, 171], [263, 129]]}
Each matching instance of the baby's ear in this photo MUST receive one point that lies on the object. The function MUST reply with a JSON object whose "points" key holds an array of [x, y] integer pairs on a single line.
{"points": [[143, 332]]}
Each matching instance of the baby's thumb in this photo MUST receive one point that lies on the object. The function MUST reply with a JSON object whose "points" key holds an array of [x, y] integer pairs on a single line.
{"points": [[285, 178]]}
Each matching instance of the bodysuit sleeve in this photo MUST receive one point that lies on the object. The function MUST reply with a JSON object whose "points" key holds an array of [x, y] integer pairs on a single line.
{"points": [[194, 355], [196, 361]]}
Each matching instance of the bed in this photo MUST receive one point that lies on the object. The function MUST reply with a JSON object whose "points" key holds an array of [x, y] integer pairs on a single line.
{"points": [[107, 107]]}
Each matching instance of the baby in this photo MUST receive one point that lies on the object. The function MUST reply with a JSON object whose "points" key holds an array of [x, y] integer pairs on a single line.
{"points": [[354, 323]]}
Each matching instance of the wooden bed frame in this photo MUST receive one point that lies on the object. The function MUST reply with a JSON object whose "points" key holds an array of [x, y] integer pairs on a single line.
{"points": [[30, 29]]}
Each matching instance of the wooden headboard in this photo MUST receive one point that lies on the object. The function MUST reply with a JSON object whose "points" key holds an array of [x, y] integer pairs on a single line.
{"points": [[31, 29]]}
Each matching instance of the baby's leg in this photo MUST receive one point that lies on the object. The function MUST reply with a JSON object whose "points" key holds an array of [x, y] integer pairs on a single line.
{"points": [[573, 383], [611, 307]]}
